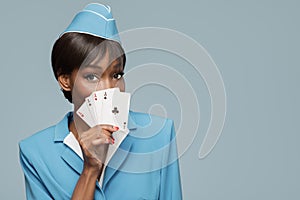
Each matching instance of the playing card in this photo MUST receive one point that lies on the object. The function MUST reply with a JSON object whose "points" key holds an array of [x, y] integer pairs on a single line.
{"points": [[107, 111], [108, 106], [95, 102], [91, 106], [84, 113], [120, 109]]}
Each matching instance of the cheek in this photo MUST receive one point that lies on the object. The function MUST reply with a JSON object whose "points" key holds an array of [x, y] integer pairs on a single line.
{"points": [[80, 91], [121, 85]]}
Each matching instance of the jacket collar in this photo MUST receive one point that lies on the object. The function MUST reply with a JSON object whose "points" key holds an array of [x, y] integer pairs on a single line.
{"points": [[62, 128]]}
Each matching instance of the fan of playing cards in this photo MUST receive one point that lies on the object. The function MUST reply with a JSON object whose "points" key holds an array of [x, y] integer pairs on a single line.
{"points": [[108, 106]]}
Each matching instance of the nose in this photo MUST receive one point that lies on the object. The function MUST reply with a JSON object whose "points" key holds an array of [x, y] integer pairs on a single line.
{"points": [[106, 84]]}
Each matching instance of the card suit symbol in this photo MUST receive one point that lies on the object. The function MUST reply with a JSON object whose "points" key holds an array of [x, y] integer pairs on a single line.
{"points": [[115, 110], [105, 95]]}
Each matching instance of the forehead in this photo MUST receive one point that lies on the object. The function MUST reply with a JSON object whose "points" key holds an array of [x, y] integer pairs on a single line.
{"points": [[105, 55], [106, 62]]}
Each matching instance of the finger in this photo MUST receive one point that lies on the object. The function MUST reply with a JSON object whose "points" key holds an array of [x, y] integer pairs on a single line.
{"points": [[110, 128], [101, 141], [98, 132], [106, 133]]}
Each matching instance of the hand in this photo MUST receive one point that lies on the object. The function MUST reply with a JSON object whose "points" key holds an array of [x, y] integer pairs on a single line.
{"points": [[94, 144]]}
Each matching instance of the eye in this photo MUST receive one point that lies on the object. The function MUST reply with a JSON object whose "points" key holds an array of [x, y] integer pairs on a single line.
{"points": [[118, 75], [91, 77]]}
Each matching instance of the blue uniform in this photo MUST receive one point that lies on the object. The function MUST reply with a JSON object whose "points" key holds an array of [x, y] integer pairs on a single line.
{"points": [[52, 169]]}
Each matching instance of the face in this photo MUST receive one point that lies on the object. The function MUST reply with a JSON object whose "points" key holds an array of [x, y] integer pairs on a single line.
{"points": [[100, 74]]}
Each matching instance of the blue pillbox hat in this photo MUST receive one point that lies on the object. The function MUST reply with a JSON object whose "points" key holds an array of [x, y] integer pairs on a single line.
{"points": [[95, 19]]}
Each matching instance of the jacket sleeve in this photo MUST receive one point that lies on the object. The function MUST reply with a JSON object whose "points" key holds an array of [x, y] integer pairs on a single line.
{"points": [[170, 188], [34, 186]]}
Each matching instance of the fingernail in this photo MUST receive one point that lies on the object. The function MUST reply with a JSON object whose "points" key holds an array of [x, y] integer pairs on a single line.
{"points": [[113, 141], [117, 128]]}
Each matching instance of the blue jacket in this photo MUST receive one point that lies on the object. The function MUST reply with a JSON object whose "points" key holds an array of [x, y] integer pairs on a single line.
{"points": [[144, 167]]}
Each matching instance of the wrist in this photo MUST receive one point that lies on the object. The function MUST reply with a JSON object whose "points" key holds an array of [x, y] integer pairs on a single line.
{"points": [[91, 172]]}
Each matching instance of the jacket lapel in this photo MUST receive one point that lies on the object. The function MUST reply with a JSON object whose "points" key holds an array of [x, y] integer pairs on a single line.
{"points": [[68, 155], [117, 160], [73, 160], [121, 154]]}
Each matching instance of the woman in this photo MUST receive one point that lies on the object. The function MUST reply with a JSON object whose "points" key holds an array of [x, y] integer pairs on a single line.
{"points": [[60, 162]]}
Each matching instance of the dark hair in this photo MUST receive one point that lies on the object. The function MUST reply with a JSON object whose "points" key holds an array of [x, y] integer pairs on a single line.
{"points": [[72, 49]]}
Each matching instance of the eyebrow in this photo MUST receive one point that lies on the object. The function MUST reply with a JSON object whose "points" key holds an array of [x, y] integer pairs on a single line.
{"points": [[95, 67], [118, 65], [100, 68]]}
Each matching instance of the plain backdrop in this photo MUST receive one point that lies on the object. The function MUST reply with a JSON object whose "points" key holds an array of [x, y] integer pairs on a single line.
{"points": [[255, 45]]}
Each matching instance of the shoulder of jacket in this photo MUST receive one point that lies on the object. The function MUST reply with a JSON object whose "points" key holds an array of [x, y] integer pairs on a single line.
{"points": [[37, 139]]}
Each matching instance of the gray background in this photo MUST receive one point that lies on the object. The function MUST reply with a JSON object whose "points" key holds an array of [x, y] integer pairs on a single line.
{"points": [[256, 47]]}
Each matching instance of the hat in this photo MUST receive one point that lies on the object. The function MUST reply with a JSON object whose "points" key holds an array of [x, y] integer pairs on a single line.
{"points": [[95, 19]]}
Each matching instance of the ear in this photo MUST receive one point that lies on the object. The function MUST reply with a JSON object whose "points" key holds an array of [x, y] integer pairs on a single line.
{"points": [[65, 82]]}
